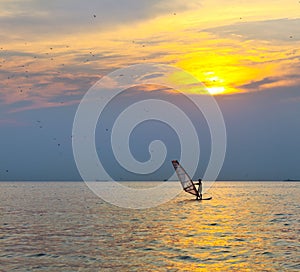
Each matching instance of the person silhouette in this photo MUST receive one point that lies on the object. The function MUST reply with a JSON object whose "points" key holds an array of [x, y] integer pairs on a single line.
{"points": [[199, 183]]}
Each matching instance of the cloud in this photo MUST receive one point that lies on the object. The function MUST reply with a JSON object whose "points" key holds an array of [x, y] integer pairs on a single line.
{"points": [[43, 89], [257, 85], [10, 122], [273, 82], [57, 78], [62, 17], [270, 30]]}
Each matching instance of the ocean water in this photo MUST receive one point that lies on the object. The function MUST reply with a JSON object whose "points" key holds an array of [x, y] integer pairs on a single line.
{"points": [[247, 226]]}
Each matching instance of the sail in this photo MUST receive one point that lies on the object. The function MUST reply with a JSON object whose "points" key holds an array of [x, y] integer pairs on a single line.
{"points": [[185, 180]]}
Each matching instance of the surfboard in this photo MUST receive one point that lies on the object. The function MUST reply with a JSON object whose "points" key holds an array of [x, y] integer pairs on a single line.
{"points": [[208, 198]]}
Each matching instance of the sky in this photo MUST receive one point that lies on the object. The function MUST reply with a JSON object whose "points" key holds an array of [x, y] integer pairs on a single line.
{"points": [[247, 53]]}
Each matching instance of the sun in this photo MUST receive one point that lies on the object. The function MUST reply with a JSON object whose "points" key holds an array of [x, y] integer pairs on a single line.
{"points": [[214, 84], [216, 90], [220, 75]]}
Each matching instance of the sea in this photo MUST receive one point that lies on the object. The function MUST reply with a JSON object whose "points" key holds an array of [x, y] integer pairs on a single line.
{"points": [[64, 226]]}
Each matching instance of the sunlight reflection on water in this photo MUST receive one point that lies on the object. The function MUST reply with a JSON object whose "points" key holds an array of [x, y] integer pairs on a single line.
{"points": [[65, 227]]}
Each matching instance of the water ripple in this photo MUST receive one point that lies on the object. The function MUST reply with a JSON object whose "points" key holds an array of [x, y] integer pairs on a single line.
{"points": [[64, 227]]}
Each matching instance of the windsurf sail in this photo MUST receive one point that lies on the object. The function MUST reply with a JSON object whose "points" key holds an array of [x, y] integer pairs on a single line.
{"points": [[185, 180]]}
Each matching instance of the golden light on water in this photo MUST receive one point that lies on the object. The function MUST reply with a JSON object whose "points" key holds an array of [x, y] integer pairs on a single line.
{"points": [[240, 233]]}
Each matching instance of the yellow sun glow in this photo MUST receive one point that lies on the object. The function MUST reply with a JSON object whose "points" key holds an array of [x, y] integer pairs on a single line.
{"points": [[216, 90]]}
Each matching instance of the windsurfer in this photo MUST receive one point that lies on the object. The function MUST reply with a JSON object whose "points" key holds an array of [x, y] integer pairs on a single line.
{"points": [[199, 183]]}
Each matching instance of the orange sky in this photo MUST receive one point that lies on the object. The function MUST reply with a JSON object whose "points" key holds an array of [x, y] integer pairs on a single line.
{"points": [[53, 51]]}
